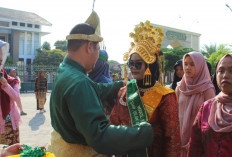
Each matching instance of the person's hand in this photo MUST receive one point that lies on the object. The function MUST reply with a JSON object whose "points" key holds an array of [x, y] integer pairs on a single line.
{"points": [[185, 147], [125, 82], [12, 150], [3, 81]]}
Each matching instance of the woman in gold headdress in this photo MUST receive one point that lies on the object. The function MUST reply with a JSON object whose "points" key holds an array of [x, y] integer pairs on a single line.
{"points": [[145, 98], [41, 88]]}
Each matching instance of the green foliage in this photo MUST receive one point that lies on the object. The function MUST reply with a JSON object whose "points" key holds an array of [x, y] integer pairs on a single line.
{"points": [[113, 62], [216, 56], [173, 55], [170, 60], [9, 60], [207, 50], [49, 57], [114, 66], [46, 46], [61, 44]]}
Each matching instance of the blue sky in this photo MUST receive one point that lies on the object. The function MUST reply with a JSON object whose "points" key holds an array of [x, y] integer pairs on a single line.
{"points": [[211, 18]]}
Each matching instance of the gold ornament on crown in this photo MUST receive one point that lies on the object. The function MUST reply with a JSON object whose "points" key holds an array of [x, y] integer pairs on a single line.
{"points": [[147, 44], [125, 72]]}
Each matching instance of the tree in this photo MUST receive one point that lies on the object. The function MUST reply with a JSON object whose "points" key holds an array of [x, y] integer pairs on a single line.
{"points": [[9, 60], [61, 44], [46, 46], [49, 57], [207, 50], [173, 55], [216, 56], [114, 66]]}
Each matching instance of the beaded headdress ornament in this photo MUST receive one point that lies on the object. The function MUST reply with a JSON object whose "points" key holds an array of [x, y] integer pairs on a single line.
{"points": [[147, 44]]}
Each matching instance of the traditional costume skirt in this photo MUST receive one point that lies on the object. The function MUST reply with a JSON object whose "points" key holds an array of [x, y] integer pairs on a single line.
{"points": [[41, 100], [10, 136], [63, 149]]}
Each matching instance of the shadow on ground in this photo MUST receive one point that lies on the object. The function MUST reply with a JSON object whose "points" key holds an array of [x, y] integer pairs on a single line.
{"points": [[36, 121]]}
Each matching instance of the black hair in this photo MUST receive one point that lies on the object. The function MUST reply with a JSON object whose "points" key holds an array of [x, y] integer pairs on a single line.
{"points": [[175, 77], [214, 80], [209, 67], [83, 28]]}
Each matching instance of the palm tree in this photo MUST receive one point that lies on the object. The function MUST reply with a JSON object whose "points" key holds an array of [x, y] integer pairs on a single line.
{"points": [[207, 50], [230, 46], [216, 56], [224, 47]]}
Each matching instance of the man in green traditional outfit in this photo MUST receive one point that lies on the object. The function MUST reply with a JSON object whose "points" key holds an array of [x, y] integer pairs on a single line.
{"points": [[81, 128]]}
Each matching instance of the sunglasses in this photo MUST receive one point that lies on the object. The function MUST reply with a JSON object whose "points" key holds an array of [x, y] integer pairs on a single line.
{"points": [[136, 65]]}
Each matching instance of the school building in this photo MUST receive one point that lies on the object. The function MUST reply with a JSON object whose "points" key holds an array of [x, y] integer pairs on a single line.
{"points": [[23, 31]]}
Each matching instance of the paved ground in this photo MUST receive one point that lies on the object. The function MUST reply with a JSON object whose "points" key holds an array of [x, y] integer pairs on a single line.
{"points": [[36, 127]]}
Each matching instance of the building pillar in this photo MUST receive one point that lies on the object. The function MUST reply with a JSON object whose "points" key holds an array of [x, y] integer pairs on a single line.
{"points": [[33, 44], [15, 45]]}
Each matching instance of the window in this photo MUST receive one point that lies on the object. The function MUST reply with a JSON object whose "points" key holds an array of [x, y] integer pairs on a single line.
{"points": [[22, 24], [37, 26], [28, 61], [29, 25], [29, 43], [14, 23], [21, 43], [3, 38], [21, 61]]}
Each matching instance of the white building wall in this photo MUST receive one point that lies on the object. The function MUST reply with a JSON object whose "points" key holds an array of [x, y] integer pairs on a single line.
{"points": [[195, 43], [185, 38], [27, 55]]}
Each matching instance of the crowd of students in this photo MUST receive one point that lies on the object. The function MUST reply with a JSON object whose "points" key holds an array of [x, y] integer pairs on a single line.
{"points": [[93, 115]]}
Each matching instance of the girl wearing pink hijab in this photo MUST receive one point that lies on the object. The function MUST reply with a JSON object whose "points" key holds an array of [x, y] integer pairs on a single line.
{"points": [[194, 88], [212, 130]]}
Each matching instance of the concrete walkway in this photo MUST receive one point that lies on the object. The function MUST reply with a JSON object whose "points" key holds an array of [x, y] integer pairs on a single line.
{"points": [[36, 127]]}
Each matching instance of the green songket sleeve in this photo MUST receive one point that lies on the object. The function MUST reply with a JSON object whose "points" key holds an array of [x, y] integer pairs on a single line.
{"points": [[90, 120], [108, 90]]}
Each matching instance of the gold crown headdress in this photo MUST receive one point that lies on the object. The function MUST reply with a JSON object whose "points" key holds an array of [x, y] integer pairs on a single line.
{"points": [[94, 21], [147, 44]]}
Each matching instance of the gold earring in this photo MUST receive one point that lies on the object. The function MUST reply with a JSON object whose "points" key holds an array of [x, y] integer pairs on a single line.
{"points": [[147, 78]]}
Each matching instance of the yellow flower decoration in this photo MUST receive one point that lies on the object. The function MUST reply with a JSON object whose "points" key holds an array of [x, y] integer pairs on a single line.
{"points": [[126, 56], [132, 44], [159, 40], [147, 44], [141, 24], [147, 23], [145, 31]]}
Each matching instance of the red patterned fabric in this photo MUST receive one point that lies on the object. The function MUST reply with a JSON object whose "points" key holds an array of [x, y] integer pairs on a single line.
{"points": [[165, 124], [204, 141]]}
